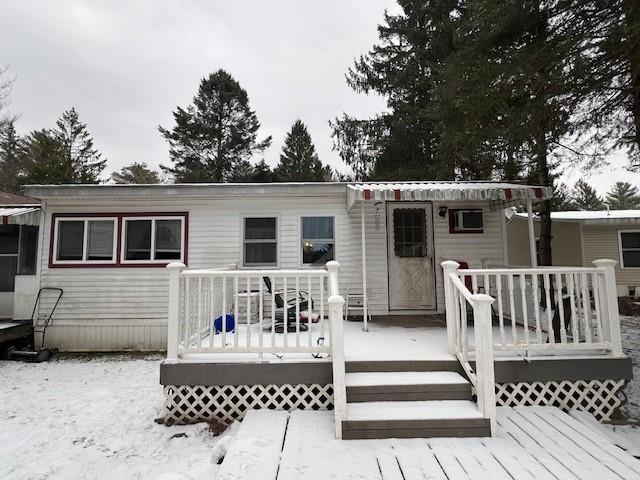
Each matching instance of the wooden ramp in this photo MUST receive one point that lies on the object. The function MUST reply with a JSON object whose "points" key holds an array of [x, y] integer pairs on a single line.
{"points": [[532, 443]]}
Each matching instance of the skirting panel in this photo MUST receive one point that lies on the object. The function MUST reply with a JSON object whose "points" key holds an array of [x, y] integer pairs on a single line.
{"points": [[599, 397], [107, 338], [226, 403]]}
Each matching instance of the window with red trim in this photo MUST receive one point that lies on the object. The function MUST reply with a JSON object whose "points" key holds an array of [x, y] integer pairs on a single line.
{"points": [[121, 239]]}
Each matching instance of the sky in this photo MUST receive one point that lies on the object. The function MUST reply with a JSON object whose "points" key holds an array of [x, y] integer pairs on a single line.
{"points": [[126, 66]]}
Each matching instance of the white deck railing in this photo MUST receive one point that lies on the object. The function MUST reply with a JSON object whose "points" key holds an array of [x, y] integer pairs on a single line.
{"points": [[248, 311], [550, 310], [460, 301]]}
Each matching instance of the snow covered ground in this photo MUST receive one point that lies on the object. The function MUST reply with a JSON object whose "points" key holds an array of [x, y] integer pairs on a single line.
{"points": [[630, 328], [93, 419]]}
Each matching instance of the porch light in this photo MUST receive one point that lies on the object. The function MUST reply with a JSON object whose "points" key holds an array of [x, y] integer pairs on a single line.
{"points": [[442, 211]]}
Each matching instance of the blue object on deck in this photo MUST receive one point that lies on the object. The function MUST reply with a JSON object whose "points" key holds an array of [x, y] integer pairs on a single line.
{"points": [[230, 323]]}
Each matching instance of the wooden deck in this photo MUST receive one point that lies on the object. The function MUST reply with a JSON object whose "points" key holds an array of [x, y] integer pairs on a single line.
{"points": [[532, 443]]}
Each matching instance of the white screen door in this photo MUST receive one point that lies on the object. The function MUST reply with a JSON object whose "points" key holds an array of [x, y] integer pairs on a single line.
{"points": [[410, 256]]}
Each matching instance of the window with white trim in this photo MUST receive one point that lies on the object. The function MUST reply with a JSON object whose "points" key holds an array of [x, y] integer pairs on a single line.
{"points": [[318, 240], [630, 249], [260, 241], [79, 240], [151, 239]]}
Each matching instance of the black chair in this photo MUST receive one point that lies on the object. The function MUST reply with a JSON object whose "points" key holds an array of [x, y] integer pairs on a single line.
{"points": [[304, 302]]}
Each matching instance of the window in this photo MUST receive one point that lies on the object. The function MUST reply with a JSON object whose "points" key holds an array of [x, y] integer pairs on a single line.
{"points": [[28, 250], [260, 241], [630, 249], [79, 240], [152, 239], [466, 221], [318, 244], [9, 238], [409, 232]]}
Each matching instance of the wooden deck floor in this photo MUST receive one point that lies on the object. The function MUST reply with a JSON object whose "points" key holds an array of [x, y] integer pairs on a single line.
{"points": [[532, 443]]}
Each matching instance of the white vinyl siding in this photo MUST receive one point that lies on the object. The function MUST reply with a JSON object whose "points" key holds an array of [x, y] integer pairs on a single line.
{"points": [[602, 241], [125, 308]]}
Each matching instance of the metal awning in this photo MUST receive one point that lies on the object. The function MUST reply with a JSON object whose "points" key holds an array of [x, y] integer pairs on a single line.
{"points": [[503, 193], [20, 215]]}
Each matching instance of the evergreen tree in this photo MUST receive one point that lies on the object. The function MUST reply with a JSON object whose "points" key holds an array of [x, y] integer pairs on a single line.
{"points": [[136, 173], [404, 67], [77, 144], [10, 159], [623, 196], [244, 172], [562, 198], [215, 134], [262, 173], [46, 160], [585, 197], [299, 161]]}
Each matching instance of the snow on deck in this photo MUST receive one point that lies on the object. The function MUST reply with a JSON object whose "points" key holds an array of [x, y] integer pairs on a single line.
{"points": [[532, 443]]}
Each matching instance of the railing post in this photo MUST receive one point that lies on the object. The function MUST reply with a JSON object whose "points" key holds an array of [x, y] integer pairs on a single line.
{"points": [[485, 375], [173, 317], [449, 266], [611, 320], [336, 305]]}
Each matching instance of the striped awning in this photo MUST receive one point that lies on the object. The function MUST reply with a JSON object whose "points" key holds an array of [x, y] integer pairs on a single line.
{"points": [[20, 215], [503, 193]]}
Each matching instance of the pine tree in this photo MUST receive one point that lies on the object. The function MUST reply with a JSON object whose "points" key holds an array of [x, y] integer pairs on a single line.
{"points": [[299, 160], [11, 153], [77, 145], [623, 196], [138, 173], [562, 199], [46, 160], [213, 135], [585, 197]]}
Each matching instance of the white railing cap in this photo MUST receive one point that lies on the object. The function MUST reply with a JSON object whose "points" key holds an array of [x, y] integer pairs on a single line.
{"points": [[450, 265], [605, 262], [176, 266]]}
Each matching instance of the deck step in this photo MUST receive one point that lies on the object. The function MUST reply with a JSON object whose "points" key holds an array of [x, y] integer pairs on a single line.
{"points": [[406, 386], [414, 419], [436, 365]]}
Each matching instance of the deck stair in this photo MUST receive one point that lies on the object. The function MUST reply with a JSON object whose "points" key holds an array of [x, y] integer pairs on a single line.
{"points": [[410, 399]]}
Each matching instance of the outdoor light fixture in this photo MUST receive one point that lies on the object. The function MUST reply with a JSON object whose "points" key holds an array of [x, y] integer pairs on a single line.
{"points": [[442, 211], [377, 217]]}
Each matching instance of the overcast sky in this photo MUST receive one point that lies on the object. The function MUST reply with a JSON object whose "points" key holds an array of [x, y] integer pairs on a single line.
{"points": [[126, 65]]}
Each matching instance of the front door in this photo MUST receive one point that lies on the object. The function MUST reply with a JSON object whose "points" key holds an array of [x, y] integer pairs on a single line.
{"points": [[410, 256]]}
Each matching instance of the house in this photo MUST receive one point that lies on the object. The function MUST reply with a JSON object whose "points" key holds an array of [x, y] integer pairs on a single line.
{"points": [[247, 287], [19, 223], [579, 237]]}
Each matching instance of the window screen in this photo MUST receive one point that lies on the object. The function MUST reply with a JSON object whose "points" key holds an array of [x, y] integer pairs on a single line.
{"points": [[409, 232], [100, 240], [28, 250], [260, 241], [630, 249], [168, 239], [138, 240], [70, 240], [318, 244]]}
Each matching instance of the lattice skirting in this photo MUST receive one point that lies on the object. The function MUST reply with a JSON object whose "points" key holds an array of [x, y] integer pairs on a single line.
{"points": [[599, 397], [226, 403]]}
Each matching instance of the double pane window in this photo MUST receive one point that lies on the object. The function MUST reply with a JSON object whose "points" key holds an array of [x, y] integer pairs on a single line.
{"points": [[82, 240], [152, 239], [630, 249], [260, 241]]}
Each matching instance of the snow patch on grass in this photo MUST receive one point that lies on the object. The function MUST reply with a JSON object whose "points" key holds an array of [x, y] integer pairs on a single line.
{"points": [[93, 417]]}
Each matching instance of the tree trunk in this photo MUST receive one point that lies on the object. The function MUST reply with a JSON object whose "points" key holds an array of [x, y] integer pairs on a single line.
{"points": [[544, 178]]}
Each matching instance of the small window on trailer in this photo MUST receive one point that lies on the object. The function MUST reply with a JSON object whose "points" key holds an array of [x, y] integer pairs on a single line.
{"points": [[318, 240], [260, 242], [629, 242]]}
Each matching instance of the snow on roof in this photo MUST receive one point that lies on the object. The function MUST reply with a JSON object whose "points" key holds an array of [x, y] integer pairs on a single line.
{"points": [[594, 217], [446, 191]]}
